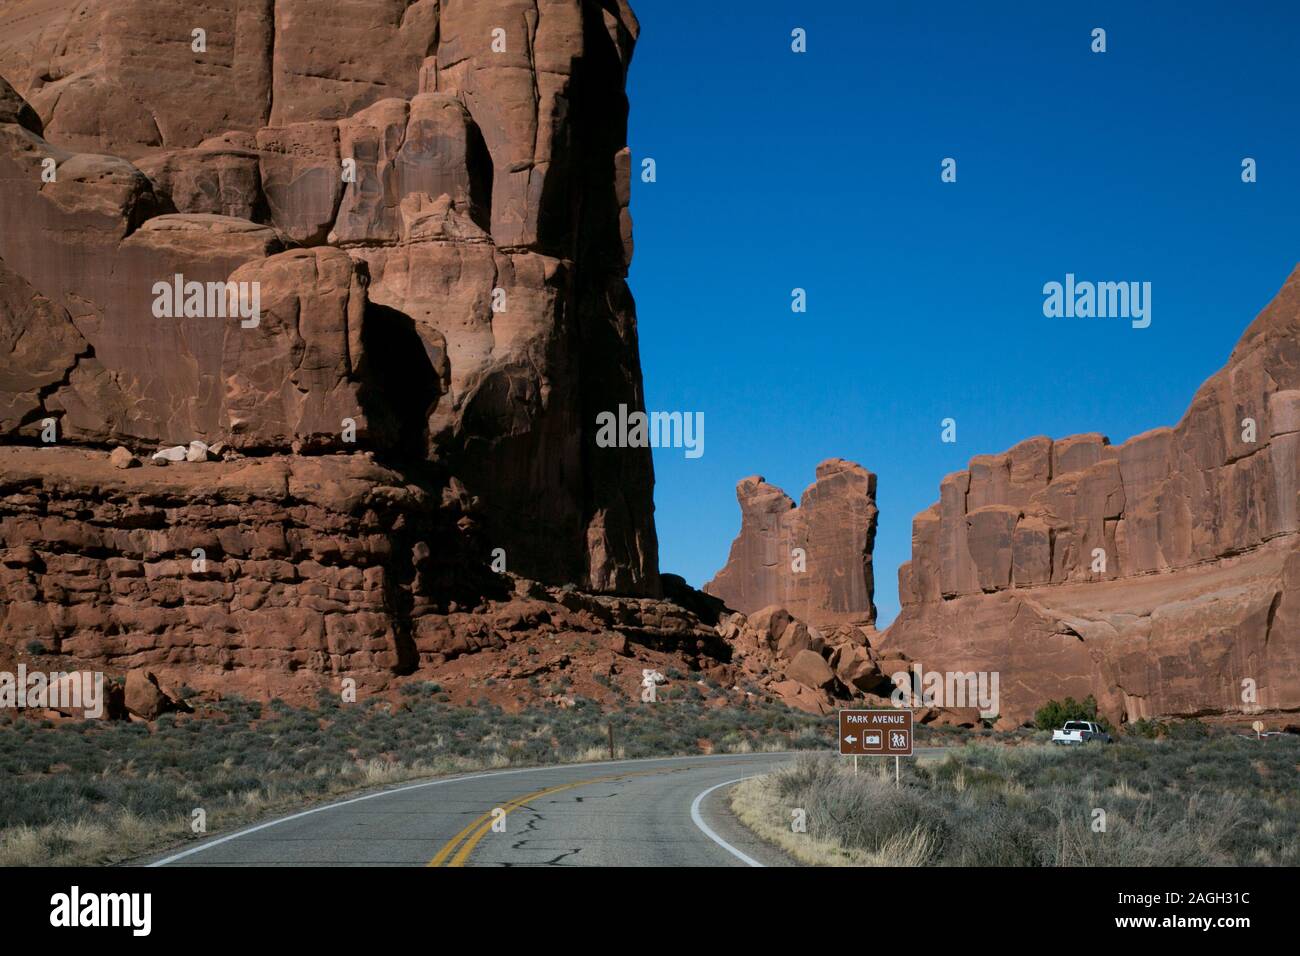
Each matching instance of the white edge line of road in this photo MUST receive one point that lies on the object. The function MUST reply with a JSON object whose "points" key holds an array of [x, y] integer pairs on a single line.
{"points": [[698, 819], [209, 844]]}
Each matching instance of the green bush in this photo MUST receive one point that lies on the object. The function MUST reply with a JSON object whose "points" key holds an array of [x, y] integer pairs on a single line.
{"points": [[1055, 713]]}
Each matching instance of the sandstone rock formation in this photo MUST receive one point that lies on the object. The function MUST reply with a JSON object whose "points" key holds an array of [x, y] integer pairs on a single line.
{"points": [[1161, 576], [435, 213], [363, 264], [813, 560], [425, 204]]}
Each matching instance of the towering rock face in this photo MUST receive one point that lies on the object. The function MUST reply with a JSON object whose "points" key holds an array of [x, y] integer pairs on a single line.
{"points": [[814, 560], [377, 250], [1161, 575], [430, 199]]}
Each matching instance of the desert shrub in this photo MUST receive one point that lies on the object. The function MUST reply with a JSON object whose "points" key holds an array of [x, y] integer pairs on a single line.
{"points": [[1055, 713], [1148, 729], [1187, 730], [1213, 801]]}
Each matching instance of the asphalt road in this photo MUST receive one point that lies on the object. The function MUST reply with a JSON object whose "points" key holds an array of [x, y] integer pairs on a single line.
{"points": [[662, 812]]}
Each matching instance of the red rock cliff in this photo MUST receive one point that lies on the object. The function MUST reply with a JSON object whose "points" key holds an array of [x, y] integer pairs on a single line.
{"points": [[432, 197], [1161, 575]]}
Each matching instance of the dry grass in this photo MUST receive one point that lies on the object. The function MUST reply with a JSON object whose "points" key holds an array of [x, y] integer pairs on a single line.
{"points": [[759, 805], [1137, 803], [79, 841]]}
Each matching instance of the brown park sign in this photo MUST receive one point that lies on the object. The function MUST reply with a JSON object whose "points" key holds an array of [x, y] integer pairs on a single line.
{"points": [[875, 733]]}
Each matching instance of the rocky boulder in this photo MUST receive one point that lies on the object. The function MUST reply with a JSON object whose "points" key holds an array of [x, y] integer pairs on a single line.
{"points": [[146, 699], [810, 669]]}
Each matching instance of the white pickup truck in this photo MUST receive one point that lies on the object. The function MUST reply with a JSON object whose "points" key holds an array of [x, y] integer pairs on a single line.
{"points": [[1079, 732]]}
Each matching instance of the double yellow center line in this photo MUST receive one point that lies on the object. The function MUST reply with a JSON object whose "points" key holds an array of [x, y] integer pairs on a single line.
{"points": [[457, 850]]}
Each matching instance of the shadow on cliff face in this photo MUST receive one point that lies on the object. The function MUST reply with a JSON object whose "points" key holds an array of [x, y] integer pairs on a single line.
{"points": [[581, 211], [439, 556], [587, 208], [479, 161], [400, 384]]}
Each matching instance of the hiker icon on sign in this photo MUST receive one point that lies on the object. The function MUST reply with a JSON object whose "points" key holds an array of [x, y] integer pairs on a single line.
{"points": [[898, 740]]}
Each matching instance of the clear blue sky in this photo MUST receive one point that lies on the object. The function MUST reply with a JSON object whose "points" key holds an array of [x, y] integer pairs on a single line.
{"points": [[822, 170]]}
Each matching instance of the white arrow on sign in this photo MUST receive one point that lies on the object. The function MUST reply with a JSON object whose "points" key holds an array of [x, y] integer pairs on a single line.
{"points": [[851, 740]]}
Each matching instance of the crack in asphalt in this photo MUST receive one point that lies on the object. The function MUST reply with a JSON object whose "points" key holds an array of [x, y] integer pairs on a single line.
{"points": [[557, 860], [603, 796]]}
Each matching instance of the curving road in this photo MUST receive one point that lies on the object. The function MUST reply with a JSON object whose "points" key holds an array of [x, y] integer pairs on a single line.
{"points": [[661, 812]]}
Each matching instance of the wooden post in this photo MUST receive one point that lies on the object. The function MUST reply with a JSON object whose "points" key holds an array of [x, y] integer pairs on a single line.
{"points": [[611, 741]]}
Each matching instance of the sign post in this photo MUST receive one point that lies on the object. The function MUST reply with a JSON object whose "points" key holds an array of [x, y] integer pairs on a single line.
{"points": [[876, 733]]}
